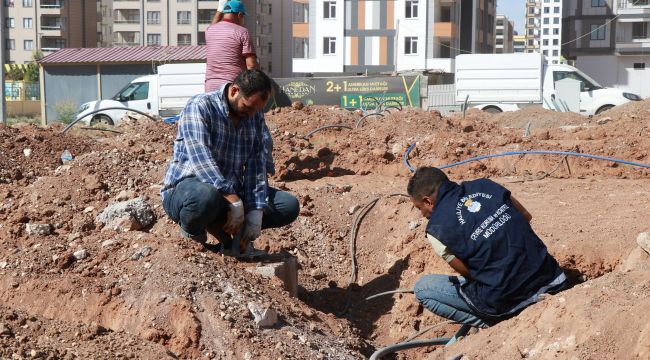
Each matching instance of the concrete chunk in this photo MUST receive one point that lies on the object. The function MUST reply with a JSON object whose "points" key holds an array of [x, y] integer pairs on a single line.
{"points": [[137, 213], [286, 270]]}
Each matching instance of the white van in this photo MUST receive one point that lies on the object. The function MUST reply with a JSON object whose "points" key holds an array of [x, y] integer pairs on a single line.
{"points": [[164, 94], [508, 82]]}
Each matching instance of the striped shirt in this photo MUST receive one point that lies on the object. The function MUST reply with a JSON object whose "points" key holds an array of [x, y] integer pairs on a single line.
{"points": [[209, 147], [227, 46]]}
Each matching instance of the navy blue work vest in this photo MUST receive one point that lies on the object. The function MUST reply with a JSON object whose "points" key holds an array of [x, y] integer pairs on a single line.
{"points": [[508, 263]]}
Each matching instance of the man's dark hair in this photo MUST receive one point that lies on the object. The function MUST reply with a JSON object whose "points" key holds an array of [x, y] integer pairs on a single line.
{"points": [[425, 182], [253, 81]]}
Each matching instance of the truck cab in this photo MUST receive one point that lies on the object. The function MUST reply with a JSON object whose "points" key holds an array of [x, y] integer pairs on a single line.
{"points": [[594, 99], [140, 94]]}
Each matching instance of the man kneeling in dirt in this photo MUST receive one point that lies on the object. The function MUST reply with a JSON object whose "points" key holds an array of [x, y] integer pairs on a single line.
{"points": [[217, 178], [484, 234]]}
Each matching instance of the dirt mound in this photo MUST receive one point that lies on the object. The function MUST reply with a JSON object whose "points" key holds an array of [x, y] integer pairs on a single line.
{"points": [[70, 272]]}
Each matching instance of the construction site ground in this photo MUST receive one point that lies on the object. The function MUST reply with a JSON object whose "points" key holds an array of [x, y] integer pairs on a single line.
{"points": [[71, 287]]}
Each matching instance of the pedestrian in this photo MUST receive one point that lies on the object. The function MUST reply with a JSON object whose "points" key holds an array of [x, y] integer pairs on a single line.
{"points": [[229, 47], [216, 180], [230, 50], [484, 234]]}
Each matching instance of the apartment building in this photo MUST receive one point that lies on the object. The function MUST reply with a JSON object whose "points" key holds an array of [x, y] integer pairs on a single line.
{"points": [[551, 34], [359, 36], [519, 43], [533, 28], [184, 22], [609, 41], [48, 25], [504, 35]]}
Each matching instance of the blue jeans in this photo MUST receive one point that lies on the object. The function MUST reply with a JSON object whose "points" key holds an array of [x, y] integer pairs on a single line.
{"points": [[440, 294], [195, 205]]}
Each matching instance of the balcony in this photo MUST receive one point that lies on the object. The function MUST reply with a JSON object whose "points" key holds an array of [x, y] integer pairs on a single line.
{"points": [[633, 7], [300, 30], [205, 16], [50, 44], [444, 30], [49, 4]]}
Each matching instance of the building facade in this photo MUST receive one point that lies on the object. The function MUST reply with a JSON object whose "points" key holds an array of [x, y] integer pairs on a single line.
{"points": [[519, 43], [533, 28], [359, 36], [48, 25], [504, 35], [551, 34], [609, 41]]}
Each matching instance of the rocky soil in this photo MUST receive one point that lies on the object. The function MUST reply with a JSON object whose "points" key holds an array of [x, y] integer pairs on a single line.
{"points": [[78, 283]]}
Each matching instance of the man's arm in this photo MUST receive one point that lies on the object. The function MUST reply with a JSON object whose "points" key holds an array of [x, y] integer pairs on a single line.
{"points": [[446, 255], [195, 134], [522, 210], [251, 62], [255, 179]]}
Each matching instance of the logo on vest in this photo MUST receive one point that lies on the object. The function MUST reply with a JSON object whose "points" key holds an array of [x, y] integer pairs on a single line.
{"points": [[471, 204]]}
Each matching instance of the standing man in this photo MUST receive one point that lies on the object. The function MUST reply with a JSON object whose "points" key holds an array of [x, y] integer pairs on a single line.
{"points": [[230, 48], [484, 234], [217, 179]]}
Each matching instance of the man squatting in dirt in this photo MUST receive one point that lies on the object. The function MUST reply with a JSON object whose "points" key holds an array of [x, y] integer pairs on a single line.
{"points": [[485, 235], [217, 178]]}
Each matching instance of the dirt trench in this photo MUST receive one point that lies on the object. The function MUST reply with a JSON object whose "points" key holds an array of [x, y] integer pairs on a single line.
{"points": [[183, 301]]}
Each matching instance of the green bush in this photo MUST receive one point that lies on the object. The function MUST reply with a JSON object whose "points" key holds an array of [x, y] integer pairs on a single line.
{"points": [[65, 111]]}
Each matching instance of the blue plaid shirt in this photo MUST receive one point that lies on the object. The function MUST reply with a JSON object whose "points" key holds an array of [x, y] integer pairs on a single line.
{"points": [[209, 147]]}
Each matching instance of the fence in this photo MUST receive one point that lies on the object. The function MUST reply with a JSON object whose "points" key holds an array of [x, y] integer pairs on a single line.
{"points": [[22, 90], [442, 98]]}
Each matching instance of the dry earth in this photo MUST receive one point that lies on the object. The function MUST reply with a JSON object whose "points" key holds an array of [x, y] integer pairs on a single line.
{"points": [[79, 289]]}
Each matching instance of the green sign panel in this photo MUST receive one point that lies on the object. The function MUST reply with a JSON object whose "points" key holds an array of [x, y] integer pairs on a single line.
{"points": [[349, 92]]}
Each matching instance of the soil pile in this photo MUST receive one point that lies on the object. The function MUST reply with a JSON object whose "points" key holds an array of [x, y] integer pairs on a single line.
{"points": [[142, 291]]}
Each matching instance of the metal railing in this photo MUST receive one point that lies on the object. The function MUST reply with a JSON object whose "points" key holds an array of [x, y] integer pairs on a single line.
{"points": [[633, 4]]}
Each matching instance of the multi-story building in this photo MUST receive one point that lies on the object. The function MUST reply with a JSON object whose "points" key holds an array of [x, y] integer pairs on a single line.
{"points": [[518, 43], [609, 41], [551, 35], [383, 36], [533, 28], [48, 25], [184, 22], [504, 35]]}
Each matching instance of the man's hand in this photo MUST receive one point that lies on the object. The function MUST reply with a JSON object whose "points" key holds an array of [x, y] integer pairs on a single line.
{"points": [[235, 215], [253, 227]]}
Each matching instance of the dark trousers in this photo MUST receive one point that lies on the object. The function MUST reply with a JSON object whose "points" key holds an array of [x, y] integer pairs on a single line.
{"points": [[195, 205]]}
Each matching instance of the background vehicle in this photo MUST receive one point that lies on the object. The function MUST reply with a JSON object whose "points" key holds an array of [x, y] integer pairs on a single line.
{"points": [[164, 94], [508, 82]]}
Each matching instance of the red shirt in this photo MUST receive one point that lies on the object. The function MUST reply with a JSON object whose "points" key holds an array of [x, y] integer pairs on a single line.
{"points": [[228, 45]]}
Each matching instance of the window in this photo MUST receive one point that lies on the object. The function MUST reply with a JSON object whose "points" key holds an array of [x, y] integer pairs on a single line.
{"points": [[586, 84], [545, 42], [546, 21], [27, 3], [28, 44], [531, 32], [300, 48], [556, 20], [329, 10], [639, 30], [27, 23], [184, 39], [269, 48], [200, 38], [183, 17], [153, 17], [530, 42], [639, 66], [556, 10], [300, 12], [10, 22], [411, 9], [531, 21], [445, 49], [269, 68], [545, 31], [556, 31], [133, 91], [182, 1], [547, 10], [545, 52], [556, 53], [329, 45], [153, 39], [598, 3], [556, 42], [10, 44], [410, 45]]}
